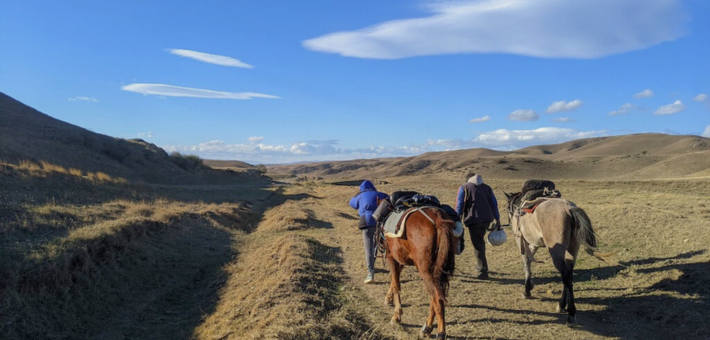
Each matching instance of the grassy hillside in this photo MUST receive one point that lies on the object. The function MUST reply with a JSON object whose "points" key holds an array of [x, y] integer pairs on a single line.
{"points": [[29, 135], [647, 156]]}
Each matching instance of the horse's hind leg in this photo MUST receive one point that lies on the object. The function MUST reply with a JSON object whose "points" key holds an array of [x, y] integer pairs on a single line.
{"points": [[527, 263], [436, 306], [565, 265], [389, 298], [394, 290], [428, 326]]}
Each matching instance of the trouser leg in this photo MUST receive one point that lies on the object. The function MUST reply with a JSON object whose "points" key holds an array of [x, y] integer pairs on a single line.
{"points": [[477, 232], [368, 237]]}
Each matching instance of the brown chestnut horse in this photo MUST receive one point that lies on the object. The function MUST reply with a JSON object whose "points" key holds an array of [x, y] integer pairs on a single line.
{"points": [[561, 227], [427, 244]]}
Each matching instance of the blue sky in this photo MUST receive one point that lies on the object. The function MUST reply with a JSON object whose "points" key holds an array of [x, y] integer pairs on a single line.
{"points": [[288, 81]]}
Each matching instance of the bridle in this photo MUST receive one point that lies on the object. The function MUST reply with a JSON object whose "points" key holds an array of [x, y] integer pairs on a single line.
{"points": [[512, 209]]}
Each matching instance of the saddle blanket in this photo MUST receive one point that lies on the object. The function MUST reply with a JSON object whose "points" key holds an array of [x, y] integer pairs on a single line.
{"points": [[394, 225]]}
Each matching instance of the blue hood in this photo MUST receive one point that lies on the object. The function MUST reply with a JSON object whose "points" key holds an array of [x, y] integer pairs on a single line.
{"points": [[366, 185]]}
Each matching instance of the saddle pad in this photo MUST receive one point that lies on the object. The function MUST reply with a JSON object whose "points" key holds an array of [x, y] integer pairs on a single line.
{"points": [[394, 225]]}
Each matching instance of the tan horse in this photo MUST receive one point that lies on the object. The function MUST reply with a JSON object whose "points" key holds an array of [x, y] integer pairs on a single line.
{"points": [[428, 244], [561, 227]]}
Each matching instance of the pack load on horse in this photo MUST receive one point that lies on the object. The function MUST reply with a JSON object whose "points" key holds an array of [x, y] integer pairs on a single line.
{"points": [[403, 202], [416, 230], [540, 218]]}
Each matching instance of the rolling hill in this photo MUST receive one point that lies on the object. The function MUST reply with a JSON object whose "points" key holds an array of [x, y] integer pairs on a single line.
{"points": [[29, 135], [636, 156]]}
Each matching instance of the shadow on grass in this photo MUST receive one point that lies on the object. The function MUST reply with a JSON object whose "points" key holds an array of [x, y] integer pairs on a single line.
{"points": [[675, 307], [156, 282], [671, 308]]}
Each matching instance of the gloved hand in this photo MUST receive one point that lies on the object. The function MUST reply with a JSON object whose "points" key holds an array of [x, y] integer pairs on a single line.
{"points": [[497, 225]]}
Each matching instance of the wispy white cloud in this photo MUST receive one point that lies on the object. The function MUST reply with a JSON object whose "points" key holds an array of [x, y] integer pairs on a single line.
{"points": [[296, 152], [563, 120], [706, 133], [523, 116], [514, 139], [255, 139], [701, 97], [623, 109], [562, 105], [480, 120], [541, 28], [178, 91], [83, 99], [670, 109], [210, 58], [145, 135], [647, 93]]}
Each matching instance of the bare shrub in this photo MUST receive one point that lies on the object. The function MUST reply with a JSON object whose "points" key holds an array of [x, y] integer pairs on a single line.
{"points": [[49, 167], [75, 172], [187, 162], [29, 166]]}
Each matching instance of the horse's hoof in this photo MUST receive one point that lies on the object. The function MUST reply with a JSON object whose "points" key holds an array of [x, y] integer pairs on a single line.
{"points": [[560, 309], [571, 322], [527, 295], [425, 331], [396, 322]]}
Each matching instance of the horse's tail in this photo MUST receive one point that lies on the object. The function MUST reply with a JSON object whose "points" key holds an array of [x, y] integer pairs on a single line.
{"points": [[445, 255], [586, 235]]}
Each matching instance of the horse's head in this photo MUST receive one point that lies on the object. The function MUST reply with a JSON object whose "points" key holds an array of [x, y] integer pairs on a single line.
{"points": [[513, 199]]}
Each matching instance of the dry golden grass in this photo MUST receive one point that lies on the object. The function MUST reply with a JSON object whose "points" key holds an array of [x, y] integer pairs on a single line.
{"points": [[48, 167], [176, 263], [283, 288], [80, 259], [43, 169], [286, 216], [655, 228]]}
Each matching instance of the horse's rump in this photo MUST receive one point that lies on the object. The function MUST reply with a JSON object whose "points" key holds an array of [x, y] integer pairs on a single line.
{"points": [[428, 245], [431, 227]]}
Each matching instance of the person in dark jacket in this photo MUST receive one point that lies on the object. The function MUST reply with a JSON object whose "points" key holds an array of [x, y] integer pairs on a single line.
{"points": [[366, 202], [478, 207]]}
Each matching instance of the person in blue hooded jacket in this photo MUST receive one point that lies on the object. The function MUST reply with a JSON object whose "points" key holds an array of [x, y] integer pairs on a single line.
{"points": [[366, 201]]}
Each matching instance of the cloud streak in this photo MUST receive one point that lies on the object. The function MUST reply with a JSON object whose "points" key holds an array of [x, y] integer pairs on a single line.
{"points": [[670, 109], [647, 93], [562, 106], [701, 97], [523, 116], [178, 91], [541, 28], [563, 120], [623, 109], [83, 99], [480, 120], [210, 58]]}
